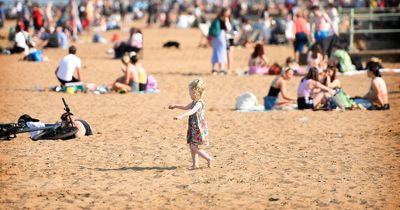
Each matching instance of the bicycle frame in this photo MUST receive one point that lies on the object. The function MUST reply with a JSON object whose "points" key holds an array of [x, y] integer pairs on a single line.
{"points": [[10, 130]]}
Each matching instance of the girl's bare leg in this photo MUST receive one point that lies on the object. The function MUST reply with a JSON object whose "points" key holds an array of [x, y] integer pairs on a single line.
{"points": [[202, 154], [194, 158], [118, 86], [317, 98]]}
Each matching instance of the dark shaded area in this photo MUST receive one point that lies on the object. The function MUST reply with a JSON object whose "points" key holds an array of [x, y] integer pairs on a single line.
{"points": [[138, 168]]}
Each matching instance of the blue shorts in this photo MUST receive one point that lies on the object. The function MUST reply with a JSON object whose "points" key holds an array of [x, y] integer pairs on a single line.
{"points": [[269, 102], [321, 35]]}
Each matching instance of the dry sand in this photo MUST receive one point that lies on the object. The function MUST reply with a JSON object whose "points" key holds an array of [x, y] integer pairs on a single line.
{"points": [[138, 159]]}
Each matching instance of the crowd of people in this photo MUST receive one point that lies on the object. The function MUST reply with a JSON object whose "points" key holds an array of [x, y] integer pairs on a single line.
{"points": [[316, 30], [318, 88], [52, 26]]}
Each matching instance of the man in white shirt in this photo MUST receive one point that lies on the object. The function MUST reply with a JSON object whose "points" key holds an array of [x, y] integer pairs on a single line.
{"points": [[68, 66], [20, 41]]}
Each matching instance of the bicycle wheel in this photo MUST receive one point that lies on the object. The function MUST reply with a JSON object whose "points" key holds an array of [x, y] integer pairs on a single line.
{"points": [[7, 131], [63, 133]]}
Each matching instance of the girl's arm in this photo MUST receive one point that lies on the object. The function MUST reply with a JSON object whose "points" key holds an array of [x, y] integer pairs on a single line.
{"points": [[322, 87], [266, 61], [135, 74], [250, 61], [179, 106], [378, 92], [335, 83], [328, 81], [123, 68], [127, 72], [284, 94], [190, 112]]}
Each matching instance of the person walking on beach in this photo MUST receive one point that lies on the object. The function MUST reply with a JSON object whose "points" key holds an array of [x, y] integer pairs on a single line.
{"points": [[217, 37], [197, 127]]}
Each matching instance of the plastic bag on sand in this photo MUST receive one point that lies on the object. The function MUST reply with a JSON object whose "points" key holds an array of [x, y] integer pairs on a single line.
{"points": [[247, 102]]}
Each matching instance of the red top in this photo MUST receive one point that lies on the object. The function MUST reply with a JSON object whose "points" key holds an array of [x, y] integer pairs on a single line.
{"points": [[300, 25], [38, 16]]}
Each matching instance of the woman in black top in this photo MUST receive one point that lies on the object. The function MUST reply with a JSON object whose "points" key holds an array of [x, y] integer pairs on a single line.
{"points": [[278, 86]]}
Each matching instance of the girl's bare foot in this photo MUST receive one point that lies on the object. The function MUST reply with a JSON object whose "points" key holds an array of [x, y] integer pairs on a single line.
{"points": [[209, 162], [194, 167]]}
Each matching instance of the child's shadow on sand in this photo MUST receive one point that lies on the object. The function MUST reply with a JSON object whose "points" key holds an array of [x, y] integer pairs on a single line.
{"points": [[138, 168]]}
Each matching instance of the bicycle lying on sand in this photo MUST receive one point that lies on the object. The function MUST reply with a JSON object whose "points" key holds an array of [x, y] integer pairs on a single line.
{"points": [[63, 130]]}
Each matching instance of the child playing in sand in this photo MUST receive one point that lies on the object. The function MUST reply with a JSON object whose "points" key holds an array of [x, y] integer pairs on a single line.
{"points": [[197, 127]]}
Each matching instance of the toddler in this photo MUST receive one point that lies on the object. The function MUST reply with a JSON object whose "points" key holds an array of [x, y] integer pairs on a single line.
{"points": [[197, 127]]}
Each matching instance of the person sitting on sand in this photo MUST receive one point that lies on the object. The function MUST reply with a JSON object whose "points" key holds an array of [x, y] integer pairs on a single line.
{"points": [[292, 64], [329, 77], [330, 80], [20, 41], [258, 62], [130, 80], [310, 91], [344, 59], [133, 44], [278, 86], [377, 96], [316, 58], [68, 67]]}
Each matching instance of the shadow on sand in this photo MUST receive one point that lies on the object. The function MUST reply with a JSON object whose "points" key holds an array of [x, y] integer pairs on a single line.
{"points": [[138, 168], [183, 73]]}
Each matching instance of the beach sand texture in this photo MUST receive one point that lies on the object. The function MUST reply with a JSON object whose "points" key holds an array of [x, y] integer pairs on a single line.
{"points": [[138, 157]]}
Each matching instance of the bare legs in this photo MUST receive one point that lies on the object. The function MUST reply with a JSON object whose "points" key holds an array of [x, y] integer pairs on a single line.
{"points": [[195, 152], [230, 60], [317, 98], [119, 84]]}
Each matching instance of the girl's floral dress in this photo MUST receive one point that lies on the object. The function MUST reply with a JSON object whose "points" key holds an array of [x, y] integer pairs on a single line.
{"points": [[197, 126]]}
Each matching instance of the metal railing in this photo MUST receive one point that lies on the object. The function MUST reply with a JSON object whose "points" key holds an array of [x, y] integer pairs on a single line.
{"points": [[370, 16]]}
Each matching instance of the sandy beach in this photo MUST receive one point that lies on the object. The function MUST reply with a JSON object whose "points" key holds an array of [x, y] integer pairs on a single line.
{"points": [[138, 157]]}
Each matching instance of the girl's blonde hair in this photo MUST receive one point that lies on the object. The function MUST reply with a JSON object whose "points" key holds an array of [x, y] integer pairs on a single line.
{"points": [[198, 86]]}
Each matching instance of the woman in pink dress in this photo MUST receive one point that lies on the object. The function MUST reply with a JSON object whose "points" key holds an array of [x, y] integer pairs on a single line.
{"points": [[258, 62]]}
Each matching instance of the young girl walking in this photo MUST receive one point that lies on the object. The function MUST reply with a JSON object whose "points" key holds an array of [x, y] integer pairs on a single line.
{"points": [[197, 127]]}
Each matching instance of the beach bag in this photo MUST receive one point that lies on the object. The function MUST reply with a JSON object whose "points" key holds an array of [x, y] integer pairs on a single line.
{"points": [[29, 40], [35, 56], [246, 101], [215, 28], [151, 83], [341, 100]]}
